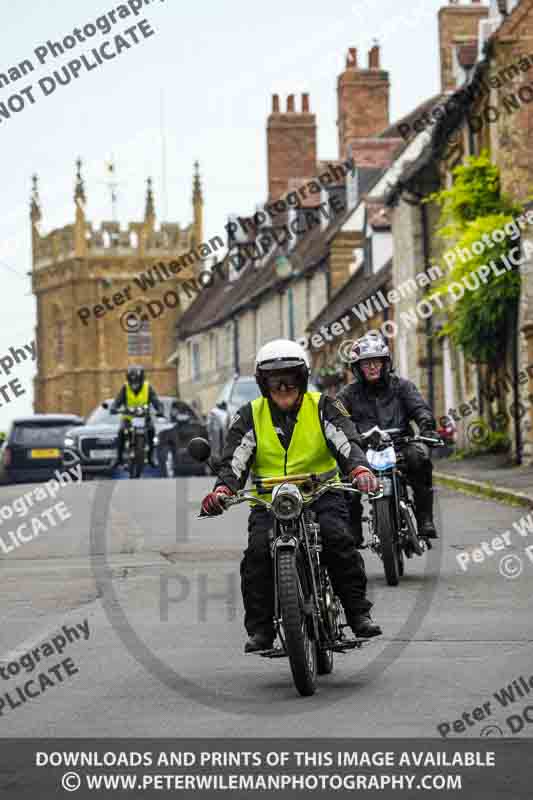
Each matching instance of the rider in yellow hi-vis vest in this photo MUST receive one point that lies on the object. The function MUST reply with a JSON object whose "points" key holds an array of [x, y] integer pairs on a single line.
{"points": [[136, 392], [290, 431], [308, 450]]}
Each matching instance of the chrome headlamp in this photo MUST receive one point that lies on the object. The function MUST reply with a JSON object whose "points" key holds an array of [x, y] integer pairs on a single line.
{"points": [[287, 502]]}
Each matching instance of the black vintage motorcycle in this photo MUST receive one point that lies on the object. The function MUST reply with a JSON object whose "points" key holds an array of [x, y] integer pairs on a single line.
{"points": [[136, 443], [308, 617], [393, 529]]}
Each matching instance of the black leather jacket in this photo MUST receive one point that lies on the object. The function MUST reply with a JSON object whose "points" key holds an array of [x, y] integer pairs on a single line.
{"points": [[391, 403]]}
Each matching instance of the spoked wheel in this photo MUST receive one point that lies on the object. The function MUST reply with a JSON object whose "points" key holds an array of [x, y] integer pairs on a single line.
{"points": [[136, 462], [301, 648], [325, 657], [390, 549], [410, 525]]}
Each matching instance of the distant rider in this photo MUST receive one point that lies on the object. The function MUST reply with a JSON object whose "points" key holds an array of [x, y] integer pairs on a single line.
{"points": [[136, 392], [289, 430], [379, 397]]}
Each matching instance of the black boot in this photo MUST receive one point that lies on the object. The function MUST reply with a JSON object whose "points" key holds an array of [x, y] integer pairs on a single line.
{"points": [[363, 627], [424, 514], [259, 641]]}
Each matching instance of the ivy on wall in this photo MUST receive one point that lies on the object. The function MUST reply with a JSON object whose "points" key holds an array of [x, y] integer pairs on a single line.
{"points": [[471, 209]]}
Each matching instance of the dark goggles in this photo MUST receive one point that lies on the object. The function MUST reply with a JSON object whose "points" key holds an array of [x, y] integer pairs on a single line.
{"points": [[289, 381]]}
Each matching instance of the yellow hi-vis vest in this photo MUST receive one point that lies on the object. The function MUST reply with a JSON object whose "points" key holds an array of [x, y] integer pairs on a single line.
{"points": [[134, 400], [308, 451]]}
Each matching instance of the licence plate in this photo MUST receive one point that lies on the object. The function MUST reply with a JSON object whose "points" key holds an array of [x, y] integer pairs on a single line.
{"points": [[103, 454], [50, 453]]}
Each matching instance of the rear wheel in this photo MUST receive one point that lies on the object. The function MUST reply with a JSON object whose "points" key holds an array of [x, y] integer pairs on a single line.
{"points": [[301, 649], [385, 530]]}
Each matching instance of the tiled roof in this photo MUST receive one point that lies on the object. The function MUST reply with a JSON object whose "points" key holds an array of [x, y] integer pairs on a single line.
{"points": [[222, 300]]}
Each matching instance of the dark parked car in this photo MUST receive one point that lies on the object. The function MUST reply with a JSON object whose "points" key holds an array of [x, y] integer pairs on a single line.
{"points": [[237, 392], [172, 451], [33, 447], [95, 444]]}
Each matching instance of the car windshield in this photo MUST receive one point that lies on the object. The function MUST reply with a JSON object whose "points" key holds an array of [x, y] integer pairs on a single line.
{"points": [[50, 435], [244, 392], [102, 416]]}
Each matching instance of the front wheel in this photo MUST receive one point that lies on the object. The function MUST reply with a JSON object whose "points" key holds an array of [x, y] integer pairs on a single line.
{"points": [[137, 457], [301, 649], [385, 530]]}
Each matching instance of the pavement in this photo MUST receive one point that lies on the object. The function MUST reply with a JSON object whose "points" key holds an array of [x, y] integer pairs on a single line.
{"points": [[159, 590], [489, 476]]}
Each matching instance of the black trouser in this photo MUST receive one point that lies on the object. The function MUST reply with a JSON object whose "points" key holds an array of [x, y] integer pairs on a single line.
{"points": [[121, 439], [419, 472], [345, 565]]}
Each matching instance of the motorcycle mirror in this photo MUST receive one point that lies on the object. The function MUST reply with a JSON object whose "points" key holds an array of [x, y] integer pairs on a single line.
{"points": [[199, 449]]}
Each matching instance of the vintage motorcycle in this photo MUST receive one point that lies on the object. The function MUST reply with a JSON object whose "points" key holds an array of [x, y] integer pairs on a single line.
{"points": [[136, 443], [392, 521], [308, 617]]}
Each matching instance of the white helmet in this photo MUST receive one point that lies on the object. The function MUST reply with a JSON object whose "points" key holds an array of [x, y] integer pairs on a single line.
{"points": [[278, 355]]}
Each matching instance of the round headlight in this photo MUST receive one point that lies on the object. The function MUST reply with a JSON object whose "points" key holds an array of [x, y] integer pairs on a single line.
{"points": [[287, 502], [69, 441]]}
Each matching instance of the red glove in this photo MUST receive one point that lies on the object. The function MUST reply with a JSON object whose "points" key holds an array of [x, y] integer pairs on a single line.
{"points": [[364, 480], [211, 504]]}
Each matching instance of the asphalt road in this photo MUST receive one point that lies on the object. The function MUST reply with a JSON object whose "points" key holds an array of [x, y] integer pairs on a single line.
{"points": [[160, 592]]}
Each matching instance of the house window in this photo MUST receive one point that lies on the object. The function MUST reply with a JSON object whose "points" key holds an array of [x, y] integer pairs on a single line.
{"points": [[195, 360], [140, 342], [60, 340]]}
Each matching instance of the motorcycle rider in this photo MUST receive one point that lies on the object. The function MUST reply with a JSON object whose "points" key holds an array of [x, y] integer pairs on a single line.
{"points": [[379, 397], [134, 393], [289, 430]]}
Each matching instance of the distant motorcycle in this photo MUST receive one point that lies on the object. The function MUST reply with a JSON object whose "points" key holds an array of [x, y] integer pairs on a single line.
{"points": [[136, 444], [392, 519], [308, 617]]}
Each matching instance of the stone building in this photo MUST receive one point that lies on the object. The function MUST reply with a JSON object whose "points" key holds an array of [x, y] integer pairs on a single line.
{"points": [[92, 319], [486, 96]]}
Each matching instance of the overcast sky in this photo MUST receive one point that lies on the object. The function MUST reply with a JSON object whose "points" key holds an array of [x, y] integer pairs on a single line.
{"points": [[217, 65]]}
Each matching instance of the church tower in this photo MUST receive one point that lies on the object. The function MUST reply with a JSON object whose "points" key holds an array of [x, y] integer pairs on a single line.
{"points": [[106, 298]]}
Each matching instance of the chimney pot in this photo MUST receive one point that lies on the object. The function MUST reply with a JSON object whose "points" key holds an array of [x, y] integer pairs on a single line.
{"points": [[290, 102], [275, 103], [351, 58], [373, 57], [305, 102]]}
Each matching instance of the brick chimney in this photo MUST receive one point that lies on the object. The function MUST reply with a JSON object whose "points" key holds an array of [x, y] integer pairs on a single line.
{"points": [[458, 25], [363, 99], [291, 144]]}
